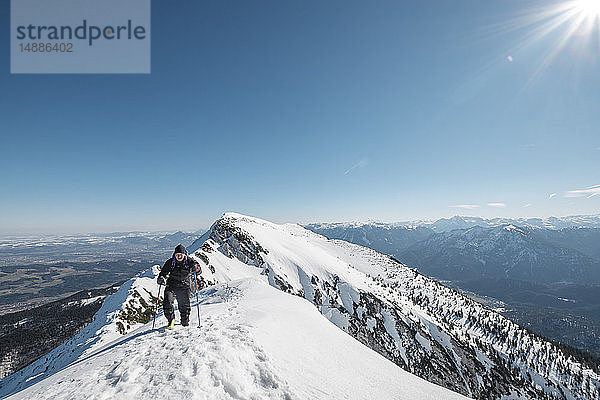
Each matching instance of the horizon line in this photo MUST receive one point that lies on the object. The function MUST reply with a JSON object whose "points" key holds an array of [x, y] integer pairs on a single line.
{"points": [[7, 235]]}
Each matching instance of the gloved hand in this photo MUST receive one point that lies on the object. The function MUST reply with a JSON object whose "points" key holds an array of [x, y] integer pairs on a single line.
{"points": [[161, 280]]}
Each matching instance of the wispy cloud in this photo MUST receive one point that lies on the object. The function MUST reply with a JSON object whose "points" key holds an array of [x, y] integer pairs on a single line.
{"points": [[527, 205], [497, 205], [362, 163], [587, 192], [529, 145], [465, 206], [551, 195]]}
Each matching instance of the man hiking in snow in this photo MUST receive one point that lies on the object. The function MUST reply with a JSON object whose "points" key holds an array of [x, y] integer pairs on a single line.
{"points": [[176, 275]]}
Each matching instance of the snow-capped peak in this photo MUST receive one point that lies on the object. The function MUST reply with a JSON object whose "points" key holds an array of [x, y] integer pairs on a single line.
{"points": [[414, 321], [254, 342], [513, 228], [415, 324]]}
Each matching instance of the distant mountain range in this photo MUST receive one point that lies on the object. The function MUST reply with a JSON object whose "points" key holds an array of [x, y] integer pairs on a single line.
{"points": [[465, 222], [552, 250], [505, 251], [535, 266]]}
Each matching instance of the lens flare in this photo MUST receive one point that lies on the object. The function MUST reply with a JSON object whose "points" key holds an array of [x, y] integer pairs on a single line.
{"points": [[572, 25]]}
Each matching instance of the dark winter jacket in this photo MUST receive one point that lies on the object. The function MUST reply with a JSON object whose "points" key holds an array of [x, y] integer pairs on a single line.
{"points": [[180, 274]]}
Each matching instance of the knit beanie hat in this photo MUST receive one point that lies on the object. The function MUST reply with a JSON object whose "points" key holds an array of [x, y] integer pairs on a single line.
{"points": [[180, 249]]}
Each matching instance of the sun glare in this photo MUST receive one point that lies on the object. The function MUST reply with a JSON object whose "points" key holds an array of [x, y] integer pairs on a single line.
{"points": [[589, 8], [572, 24]]}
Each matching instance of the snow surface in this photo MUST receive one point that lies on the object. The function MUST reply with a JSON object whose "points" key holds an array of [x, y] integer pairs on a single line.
{"points": [[255, 342], [292, 257], [100, 333], [258, 342]]}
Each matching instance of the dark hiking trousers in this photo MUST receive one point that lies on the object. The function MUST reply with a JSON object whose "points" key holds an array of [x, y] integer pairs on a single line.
{"points": [[182, 294]]}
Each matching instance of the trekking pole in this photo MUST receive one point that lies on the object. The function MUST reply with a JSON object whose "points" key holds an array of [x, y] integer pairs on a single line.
{"points": [[157, 302], [197, 290]]}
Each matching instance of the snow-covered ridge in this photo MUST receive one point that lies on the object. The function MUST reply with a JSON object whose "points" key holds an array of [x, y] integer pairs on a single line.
{"points": [[416, 323], [419, 324], [255, 342]]}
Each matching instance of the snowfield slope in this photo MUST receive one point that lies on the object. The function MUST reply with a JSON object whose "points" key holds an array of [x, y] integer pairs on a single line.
{"points": [[419, 324], [121, 312], [255, 342]]}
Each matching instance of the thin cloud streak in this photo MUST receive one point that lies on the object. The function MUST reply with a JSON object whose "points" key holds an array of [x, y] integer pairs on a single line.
{"points": [[362, 163], [465, 206], [551, 195], [497, 205], [588, 192]]}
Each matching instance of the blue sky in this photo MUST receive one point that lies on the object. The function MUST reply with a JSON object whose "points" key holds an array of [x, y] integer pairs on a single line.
{"points": [[311, 111]]}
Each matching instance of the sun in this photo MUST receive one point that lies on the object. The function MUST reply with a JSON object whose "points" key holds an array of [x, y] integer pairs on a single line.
{"points": [[559, 25], [588, 8]]}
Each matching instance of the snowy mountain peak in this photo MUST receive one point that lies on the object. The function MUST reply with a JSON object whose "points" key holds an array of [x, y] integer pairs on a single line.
{"points": [[513, 228], [414, 321], [252, 343], [233, 216], [274, 297]]}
